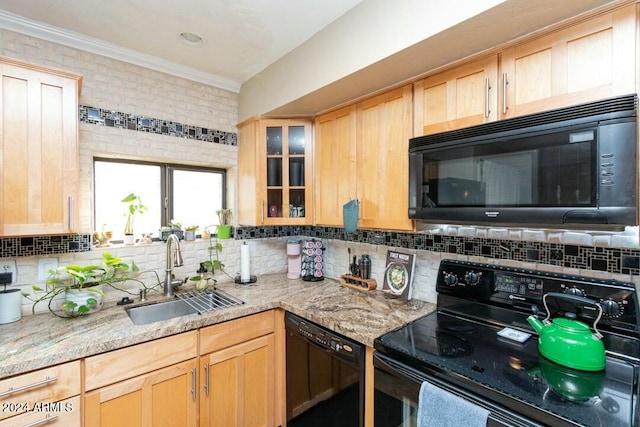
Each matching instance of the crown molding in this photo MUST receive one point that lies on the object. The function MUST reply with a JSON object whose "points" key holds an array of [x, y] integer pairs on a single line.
{"points": [[19, 24]]}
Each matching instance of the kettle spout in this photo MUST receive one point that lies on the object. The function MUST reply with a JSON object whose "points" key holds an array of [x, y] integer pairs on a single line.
{"points": [[535, 323]]}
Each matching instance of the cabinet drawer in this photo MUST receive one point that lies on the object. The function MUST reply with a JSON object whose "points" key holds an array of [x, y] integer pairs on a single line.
{"points": [[236, 331], [118, 365], [64, 414], [42, 386]]}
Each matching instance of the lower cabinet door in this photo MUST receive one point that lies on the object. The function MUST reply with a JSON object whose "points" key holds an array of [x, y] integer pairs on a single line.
{"points": [[166, 397], [239, 385]]}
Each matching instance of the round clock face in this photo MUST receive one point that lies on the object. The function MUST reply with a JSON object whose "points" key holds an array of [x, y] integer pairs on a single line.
{"points": [[397, 276]]}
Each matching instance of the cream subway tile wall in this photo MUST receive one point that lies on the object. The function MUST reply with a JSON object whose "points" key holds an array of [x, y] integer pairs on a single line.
{"points": [[114, 85], [427, 264], [111, 84]]}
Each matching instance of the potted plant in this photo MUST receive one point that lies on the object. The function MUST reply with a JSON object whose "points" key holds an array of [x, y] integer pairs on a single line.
{"points": [[208, 268], [224, 229], [190, 232], [82, 287], [134, 206], [10, 301], [174, 227]]}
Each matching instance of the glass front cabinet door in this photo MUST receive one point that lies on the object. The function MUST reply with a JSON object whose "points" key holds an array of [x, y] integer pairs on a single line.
{"points": [[283, 178]]}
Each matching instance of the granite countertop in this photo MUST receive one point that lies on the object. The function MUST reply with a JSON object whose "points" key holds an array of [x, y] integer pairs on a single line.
{"points": [[43, 340]]}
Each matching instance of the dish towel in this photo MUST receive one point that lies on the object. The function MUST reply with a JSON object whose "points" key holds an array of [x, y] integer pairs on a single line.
{"points": [[350, 216], [438, 407]]}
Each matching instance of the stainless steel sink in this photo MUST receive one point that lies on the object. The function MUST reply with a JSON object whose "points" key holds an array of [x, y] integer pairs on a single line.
{"points": [[185, 303]]}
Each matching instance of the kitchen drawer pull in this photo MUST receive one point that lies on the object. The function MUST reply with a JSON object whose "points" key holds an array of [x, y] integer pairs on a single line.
{"points": [[193, 383], [45, 420], [70, 213], [28, 387], [505, 82], [206, 379], [487, 88]]}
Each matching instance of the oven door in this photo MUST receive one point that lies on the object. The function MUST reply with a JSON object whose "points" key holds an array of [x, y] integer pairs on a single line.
{"points": [[397, 388]]}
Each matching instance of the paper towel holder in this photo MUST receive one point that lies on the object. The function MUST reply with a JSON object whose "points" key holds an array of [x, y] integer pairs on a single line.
{"points": [[252, 279], [239, 278]]}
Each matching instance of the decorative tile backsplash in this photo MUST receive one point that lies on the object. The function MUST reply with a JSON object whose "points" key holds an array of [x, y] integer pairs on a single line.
{"points": [[611, 260], [138, 123], [608, 259], [44, 245]]}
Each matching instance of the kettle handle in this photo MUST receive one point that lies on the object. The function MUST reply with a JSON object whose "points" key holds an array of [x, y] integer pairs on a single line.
{"points": [[577, 300]]}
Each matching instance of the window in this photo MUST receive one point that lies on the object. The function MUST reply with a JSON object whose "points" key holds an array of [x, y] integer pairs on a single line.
{"points": [[186, 194]]}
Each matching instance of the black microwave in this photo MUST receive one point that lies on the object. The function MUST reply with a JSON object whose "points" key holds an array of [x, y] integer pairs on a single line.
{"points": [[570, 167]]}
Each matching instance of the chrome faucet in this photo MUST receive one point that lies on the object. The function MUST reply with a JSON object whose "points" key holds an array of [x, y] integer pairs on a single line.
{"points": [[172, 261]]}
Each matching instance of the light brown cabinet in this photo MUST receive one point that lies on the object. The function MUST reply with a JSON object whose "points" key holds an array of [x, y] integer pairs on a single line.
{"points": [[48, 395], [590, 60], [335, 164], [457, 98], [383, 132], [361, 153], [274, 172], [39, 149], [154, 383], [239, 385]]}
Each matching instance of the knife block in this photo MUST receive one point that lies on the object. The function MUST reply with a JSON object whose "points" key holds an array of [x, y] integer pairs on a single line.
{"points": [[358, 283]]}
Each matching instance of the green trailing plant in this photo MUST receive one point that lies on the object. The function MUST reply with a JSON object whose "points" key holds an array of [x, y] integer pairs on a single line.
{"points": [[134, 207], [209, 266], [112, 272]]}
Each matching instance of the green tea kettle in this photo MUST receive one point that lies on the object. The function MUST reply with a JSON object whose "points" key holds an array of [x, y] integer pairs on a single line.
{"points": [[569, 342]]}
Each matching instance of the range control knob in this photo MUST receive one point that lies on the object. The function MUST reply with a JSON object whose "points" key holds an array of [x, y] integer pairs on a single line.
{"points": [[450, 279], [472, 278], [611, 308], [574, 291]]}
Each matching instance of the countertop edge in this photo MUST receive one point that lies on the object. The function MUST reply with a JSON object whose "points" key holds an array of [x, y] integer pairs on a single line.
{"points": [[361, 316]]}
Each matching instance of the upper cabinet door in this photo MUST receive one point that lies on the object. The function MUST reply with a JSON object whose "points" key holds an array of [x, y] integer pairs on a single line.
{"points": [[592, 60], [335, 164], [382, 159], [275, 172], [457, 98], [39, 150]]}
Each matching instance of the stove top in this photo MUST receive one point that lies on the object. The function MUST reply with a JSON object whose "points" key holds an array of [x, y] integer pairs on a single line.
{"points": [[459, 344]]}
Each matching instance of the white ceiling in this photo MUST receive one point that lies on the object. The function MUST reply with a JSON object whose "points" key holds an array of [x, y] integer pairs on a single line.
{"points": [[242, 37]]}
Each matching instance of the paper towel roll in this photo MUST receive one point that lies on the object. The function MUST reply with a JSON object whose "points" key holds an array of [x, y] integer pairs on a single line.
{"points": [[245, 267]]}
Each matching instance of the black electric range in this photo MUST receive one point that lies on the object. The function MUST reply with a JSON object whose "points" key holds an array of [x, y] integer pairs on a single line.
{"points": [[459, 348]]}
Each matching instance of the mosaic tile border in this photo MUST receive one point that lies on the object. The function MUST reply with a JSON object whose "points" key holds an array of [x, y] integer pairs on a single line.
{"points": [[44, 245], [611, 260], [117, 119]]}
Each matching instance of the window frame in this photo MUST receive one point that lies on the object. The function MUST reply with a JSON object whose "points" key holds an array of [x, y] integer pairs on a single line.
{"points": [[166, 182]]}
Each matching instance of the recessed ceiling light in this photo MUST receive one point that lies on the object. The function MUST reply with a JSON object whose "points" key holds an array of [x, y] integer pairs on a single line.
{"points": [[192, 39]]}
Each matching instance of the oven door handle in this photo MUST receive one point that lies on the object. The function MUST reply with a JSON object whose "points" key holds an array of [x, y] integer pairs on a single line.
{"points": [[398, 370]]}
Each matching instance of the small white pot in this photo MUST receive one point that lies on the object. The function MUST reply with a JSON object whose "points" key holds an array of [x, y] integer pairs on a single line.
{"points": [[10, 305], [82, 297], [129, 239]]}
